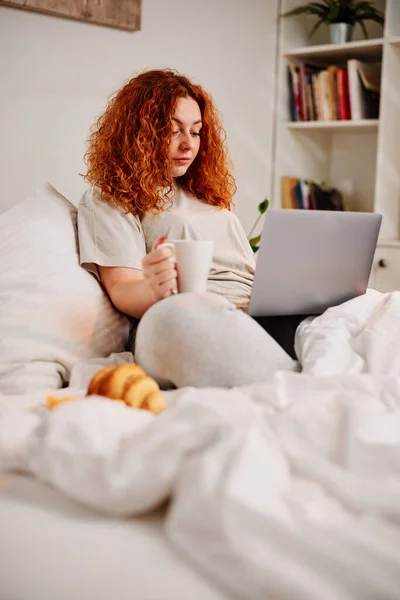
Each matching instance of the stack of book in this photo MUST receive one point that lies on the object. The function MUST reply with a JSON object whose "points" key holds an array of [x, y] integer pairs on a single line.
{"points": [[310, 195], [336, 92]]}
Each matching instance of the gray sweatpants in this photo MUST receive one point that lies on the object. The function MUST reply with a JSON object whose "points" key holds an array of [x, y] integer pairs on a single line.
{"points": [[203, 340]]}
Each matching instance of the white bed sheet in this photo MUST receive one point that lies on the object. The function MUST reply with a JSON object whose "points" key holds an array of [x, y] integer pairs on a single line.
{"points": [[52, 548], [286, 489]]}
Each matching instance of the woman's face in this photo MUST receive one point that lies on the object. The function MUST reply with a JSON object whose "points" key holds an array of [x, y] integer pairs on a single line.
{"points": [[185, 140]]}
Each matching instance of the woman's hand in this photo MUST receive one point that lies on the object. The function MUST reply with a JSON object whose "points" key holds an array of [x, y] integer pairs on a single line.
{"points": [[159, 270]]}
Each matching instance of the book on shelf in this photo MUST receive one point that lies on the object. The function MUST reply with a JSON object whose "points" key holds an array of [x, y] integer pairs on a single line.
{"points": [[309, 195], [288, 192], [294, 93], [335, 92], [364, 89], [302, 96], [370, 74]]}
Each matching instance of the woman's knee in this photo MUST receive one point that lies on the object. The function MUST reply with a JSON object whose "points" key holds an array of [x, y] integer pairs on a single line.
{"points": [[180, 311], [203, 340], [172, 333]]}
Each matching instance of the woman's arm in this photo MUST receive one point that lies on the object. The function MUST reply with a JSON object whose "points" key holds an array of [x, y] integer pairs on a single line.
{"points": [[128, 290], [133, 291]]}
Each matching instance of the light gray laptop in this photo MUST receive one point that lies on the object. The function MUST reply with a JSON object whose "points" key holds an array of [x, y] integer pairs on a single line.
{"points": [[310, 260]]}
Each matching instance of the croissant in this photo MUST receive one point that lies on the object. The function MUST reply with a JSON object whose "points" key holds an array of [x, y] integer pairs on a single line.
{"points": [[129, 383]]}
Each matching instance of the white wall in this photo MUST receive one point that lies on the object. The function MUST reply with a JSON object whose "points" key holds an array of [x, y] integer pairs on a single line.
{"points": [[56, 75]]}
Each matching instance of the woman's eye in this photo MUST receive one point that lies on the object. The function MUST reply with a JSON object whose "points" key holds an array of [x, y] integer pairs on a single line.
{"points": [[195, 133], [175, 132]]}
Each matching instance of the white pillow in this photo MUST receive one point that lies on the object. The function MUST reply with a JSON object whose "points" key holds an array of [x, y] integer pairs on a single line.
{"points": [[53, 314]]}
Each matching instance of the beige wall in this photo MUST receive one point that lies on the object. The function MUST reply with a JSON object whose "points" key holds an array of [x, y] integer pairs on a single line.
{"points": [[56, 75]]}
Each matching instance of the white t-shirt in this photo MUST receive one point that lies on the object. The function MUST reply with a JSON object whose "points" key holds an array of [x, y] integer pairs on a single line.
{"points": [[111, 238]]}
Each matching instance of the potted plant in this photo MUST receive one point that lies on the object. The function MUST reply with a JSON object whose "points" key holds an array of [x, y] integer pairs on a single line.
{"points": [[341, 16]]}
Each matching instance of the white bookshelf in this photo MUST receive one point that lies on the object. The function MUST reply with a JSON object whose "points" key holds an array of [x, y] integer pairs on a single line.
{"points": [[364, 49], [389, 243], [329, 126], [361, 158]]}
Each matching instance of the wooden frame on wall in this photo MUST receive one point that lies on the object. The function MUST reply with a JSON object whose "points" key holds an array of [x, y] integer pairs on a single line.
{"points": [[122, 14]]}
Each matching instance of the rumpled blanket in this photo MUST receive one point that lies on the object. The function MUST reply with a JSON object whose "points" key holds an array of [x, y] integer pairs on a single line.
{"points": [[285, 489]]}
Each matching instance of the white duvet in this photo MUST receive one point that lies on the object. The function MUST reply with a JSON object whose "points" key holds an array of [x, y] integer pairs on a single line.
{"points": [[288, 489]]}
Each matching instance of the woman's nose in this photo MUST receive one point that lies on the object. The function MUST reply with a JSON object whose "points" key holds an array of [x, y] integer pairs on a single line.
{"points": [[186, 141]]}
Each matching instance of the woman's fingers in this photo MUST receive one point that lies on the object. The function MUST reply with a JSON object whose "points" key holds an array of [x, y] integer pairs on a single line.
{"points": [[159, 241], [161, 277], [159, 270], [158, 255], [164, 285], [156, 269], [168, 288], [165, 275]]}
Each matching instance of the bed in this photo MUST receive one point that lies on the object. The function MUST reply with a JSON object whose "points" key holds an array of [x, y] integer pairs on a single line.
{"points": [[289, 488], [52, 547]]}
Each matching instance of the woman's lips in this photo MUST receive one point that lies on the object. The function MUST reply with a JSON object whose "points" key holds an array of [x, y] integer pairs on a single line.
{"points": [[182, 161]]}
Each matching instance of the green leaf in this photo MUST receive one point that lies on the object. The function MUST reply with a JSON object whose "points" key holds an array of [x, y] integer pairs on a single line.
{"points": [[316, 26], [365, 32], [255, 243], [364, 10], [369, 16], [255, 240], [313, 8], [334, 13], [300, 10], [263, 206]]}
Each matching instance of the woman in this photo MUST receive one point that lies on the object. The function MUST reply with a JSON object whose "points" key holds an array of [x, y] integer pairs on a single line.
{"points": [[158, 168]]}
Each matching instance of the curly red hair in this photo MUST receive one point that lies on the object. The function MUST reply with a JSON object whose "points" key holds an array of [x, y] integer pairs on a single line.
{"points": [[127, 155]]}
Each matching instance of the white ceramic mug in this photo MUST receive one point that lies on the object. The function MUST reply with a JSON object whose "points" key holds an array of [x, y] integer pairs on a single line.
{"points": [[193, 261]]}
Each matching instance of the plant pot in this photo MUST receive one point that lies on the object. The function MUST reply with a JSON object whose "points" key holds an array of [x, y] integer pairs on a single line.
{"points": [[340, 33]]}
